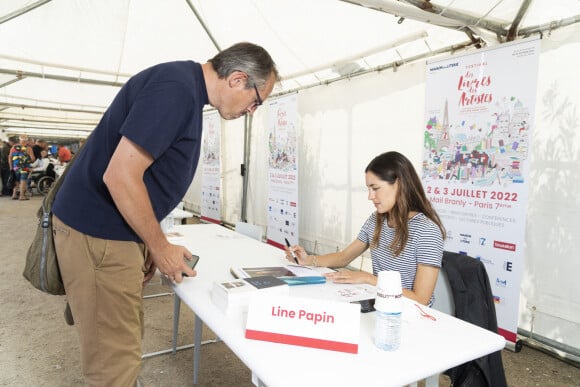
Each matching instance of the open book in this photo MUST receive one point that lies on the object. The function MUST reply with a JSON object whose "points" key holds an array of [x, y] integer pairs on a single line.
{"points": [[292, 274], [306, 275]]}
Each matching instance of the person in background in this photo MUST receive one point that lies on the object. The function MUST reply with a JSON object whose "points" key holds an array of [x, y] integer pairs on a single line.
{"points": [[38, 147], [64, 154], [38, 169], [404, 234], [41, 162], [6, 165], [20, 157], [133, 170]]}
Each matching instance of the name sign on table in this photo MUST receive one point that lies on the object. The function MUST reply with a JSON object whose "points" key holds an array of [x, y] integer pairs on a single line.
{"points": [[305, 322]]}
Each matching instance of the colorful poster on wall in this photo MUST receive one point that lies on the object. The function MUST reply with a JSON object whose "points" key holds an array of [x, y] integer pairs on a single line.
{"points": [[211, 169], [283, 171], [479, 118]]}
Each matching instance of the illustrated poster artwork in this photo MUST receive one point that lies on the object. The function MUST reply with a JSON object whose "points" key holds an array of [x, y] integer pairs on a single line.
{"points": [[211, 169], [478, 131], [283, 171]]}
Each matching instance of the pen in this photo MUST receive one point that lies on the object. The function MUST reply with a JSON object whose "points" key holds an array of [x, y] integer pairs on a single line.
{"points": [[293, 256]]}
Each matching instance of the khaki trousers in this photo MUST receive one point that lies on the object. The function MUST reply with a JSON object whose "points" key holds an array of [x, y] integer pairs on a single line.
{"points": [[103, 280]]}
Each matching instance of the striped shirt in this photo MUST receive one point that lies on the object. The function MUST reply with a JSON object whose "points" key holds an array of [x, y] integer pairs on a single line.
{"points": [[424, 246]]}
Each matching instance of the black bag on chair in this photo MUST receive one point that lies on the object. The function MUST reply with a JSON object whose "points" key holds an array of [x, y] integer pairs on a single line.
{"points": [[473, 301]]}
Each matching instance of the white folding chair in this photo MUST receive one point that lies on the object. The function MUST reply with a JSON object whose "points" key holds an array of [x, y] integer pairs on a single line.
{"points": [[443, 295], [443, 303]]}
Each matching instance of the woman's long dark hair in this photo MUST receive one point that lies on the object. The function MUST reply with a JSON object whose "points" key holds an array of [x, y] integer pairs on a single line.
{"points": [[392, 167]]}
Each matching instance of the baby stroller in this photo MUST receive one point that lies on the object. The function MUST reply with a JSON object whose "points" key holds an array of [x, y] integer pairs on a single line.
{"points": [[42, 180]]}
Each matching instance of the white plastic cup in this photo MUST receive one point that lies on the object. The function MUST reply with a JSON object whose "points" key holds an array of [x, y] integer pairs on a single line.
{"points": [[389, 290]]}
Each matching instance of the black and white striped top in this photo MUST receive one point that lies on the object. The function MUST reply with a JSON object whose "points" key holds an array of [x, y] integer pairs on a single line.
{"points": [[425, 246]]}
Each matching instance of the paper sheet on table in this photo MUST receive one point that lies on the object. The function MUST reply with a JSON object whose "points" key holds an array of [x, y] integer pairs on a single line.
{"points": [[336, 292]]}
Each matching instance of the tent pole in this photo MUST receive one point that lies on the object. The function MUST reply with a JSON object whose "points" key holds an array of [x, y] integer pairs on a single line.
{"points": [[245, 167], [25, 74], [23, 10], [513, 31], [59, 109], [30, 130], [207, 31]]}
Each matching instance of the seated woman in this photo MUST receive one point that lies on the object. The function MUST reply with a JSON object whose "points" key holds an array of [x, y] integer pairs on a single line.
{"points": [[41, 163], [40, 168], [404, 233]]}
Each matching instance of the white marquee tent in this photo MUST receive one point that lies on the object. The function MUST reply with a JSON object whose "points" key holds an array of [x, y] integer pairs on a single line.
{"points": [[359, 69], [61, 61]]}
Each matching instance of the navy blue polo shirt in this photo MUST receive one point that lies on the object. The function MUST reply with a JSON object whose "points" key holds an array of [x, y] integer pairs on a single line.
{"points": [[161, 110]]}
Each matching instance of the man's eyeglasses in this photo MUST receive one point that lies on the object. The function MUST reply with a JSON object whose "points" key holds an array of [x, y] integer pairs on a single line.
{"points": [[258, 101]]}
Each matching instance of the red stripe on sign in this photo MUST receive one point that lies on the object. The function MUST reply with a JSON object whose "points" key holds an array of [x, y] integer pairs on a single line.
{"points": [[276, 244], [216, 221], [509, 336], [302, 341]]}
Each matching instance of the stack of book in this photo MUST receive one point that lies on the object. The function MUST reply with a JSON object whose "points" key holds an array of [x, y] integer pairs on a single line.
{"points": [[291, 274], [233, 297]]}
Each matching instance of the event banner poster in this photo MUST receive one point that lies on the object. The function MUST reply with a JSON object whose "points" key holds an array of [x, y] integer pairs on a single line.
{"points": [[479, 114], [283, 171], [211, 169]]}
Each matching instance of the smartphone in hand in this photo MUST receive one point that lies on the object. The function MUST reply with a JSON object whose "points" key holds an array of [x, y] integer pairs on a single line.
{"points": [[191, 263]]}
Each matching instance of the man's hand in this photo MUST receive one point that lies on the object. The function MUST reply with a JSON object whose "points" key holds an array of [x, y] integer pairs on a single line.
{"points": [[170, 261]]}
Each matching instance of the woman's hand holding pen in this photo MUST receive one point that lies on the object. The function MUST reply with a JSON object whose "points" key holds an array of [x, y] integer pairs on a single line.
{"points": [[298, 252]]}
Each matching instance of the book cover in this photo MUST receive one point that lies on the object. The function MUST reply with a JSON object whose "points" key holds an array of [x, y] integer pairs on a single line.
{"points": [[279, 271], [264, 282]]}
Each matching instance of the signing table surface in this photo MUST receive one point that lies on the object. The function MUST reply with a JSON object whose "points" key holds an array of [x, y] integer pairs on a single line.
{"points": [[427, 348]]}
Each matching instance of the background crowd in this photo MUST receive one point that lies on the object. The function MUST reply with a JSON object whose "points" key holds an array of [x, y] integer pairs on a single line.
{"points": [[24, 160]]}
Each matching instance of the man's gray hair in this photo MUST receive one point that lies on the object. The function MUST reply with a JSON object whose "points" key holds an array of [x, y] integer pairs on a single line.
{"points": [[248, 58]]}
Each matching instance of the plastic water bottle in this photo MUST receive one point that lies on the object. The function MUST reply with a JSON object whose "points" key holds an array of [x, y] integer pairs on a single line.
{"points": [[388, 305]]}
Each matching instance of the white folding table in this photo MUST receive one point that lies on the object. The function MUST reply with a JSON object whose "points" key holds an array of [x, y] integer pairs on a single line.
{"points": [[427, 347]]}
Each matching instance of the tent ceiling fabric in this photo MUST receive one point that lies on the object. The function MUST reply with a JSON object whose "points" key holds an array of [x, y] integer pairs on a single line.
{"points": [[62, 61]]}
